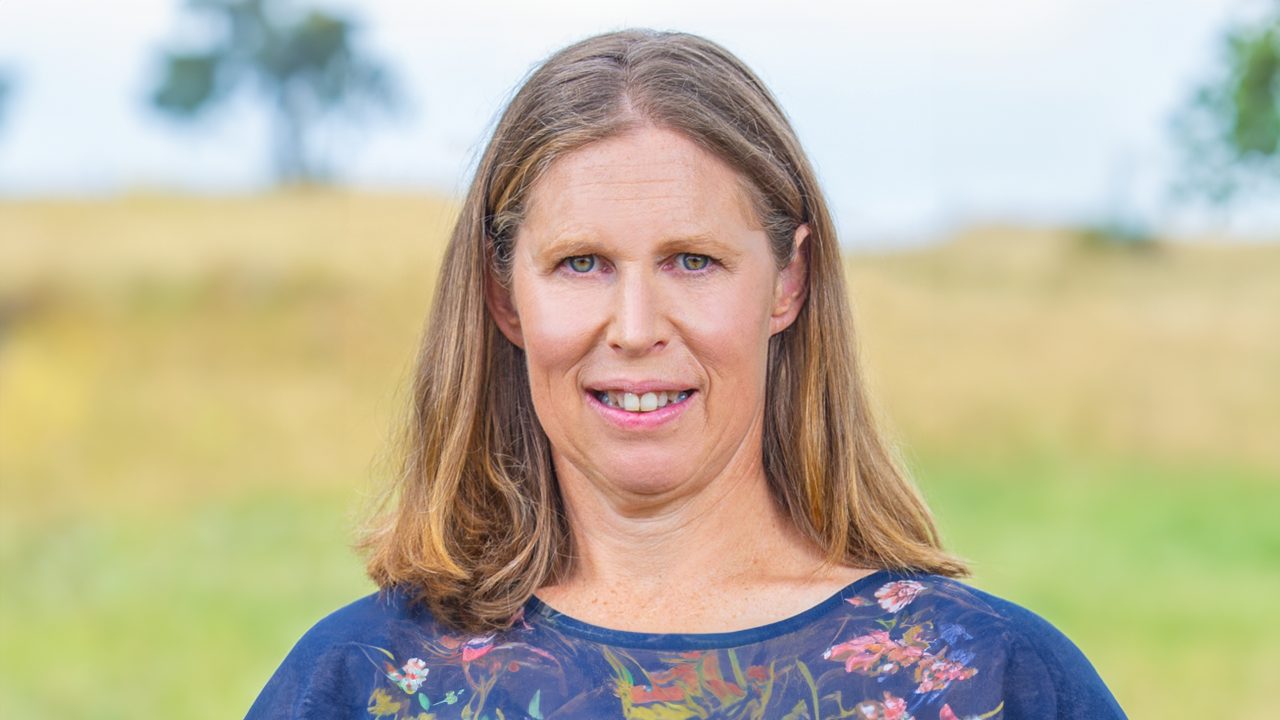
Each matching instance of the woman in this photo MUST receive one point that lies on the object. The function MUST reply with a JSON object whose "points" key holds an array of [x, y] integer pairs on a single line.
{"points": [[641, 478]]}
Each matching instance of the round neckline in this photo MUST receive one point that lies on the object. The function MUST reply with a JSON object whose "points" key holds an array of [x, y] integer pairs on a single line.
{"points": [[570, 625]]}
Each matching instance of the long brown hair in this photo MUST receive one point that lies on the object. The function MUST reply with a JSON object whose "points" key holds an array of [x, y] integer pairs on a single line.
{"points": [[474, 523]]}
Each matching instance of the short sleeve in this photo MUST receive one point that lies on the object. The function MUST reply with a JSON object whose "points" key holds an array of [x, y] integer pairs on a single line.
{"points": [[1047, 676], [314, 682], [325, 676]]}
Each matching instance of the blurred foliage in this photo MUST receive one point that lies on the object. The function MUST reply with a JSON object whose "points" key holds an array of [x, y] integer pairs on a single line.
{"points": [[1118, 235], [303, 64], [1229, 129]]}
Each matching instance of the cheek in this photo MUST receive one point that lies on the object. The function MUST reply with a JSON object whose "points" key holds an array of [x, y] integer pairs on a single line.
{"points": [[728, 330], [555, 334]]}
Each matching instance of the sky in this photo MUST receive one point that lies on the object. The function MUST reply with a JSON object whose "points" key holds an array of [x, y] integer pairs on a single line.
{"points": [[921, 116]]}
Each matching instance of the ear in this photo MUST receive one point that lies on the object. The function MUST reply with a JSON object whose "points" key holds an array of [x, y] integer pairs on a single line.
{"points": [[497, 297], [792, 285]]}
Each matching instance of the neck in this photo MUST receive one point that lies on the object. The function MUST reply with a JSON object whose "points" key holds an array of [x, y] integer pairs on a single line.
{"points": [[707, 556], [728, 532]]}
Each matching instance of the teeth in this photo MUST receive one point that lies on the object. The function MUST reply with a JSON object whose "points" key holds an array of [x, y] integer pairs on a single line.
{"points": [[646, 402]]}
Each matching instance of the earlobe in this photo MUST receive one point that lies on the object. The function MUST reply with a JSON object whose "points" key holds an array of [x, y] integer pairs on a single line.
{"points": [[502, 309], [792, 284]]}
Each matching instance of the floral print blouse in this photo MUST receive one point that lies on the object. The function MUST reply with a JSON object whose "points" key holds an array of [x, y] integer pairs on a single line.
{"points": [[891, 646]]}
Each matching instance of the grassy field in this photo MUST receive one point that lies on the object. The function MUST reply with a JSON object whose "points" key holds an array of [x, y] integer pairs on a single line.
{"points": [[196, 397]]}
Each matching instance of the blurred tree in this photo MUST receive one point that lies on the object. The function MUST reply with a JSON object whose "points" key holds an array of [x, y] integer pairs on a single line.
{"points": [[302, 62], [1229, 128]]}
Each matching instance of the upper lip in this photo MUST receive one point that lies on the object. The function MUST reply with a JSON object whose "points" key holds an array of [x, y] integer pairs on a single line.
{"points": [[638, 387]]}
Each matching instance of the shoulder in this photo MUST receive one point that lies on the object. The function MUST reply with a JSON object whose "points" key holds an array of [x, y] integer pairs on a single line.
{"points": [[953, 599], [1046, 675], [325, 672], [380, 613]]}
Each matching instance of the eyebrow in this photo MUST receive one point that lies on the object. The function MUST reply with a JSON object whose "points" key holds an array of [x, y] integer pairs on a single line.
{"points": [[569, 246]]}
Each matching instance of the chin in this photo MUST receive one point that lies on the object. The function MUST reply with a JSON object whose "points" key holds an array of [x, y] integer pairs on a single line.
{"points": [[645, 474]]}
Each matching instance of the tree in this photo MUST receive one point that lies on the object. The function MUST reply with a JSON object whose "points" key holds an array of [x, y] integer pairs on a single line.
{"points": [[1229, 128], [303, 63]]}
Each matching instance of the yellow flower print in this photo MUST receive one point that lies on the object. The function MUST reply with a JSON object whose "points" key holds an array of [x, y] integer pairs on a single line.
{"points": [[381, 704]]}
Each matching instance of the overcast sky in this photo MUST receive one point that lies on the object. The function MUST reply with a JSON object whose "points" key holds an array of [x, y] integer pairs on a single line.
{"points": [[919, 114]]}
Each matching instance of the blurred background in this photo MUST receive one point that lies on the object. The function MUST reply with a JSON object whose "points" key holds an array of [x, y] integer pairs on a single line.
{"points": [[220, 224]]}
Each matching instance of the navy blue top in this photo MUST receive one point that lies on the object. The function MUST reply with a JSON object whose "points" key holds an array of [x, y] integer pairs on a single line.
{"points": [[890, 646]]}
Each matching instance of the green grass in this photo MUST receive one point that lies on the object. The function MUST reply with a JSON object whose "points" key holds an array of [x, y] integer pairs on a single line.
{"points": [[126, 615], [196, 398], [1163, 575]]}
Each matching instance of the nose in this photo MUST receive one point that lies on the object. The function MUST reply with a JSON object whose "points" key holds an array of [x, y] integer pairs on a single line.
{"points": [[637, 325]]}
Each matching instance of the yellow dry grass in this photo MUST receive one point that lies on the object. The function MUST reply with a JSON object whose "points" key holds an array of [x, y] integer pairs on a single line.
{"points": [[1008, 336]]}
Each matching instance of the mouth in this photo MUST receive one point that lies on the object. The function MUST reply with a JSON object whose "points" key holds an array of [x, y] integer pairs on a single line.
{"points": [[641, 403]]}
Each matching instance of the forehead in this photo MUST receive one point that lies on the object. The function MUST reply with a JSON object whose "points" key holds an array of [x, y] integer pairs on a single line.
{"points": [[648, 182]]}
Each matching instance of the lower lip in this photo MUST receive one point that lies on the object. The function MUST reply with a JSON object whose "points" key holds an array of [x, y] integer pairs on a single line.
{"points": [[641, 420]]}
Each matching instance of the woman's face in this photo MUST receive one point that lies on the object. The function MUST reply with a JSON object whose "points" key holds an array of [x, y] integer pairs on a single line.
{"points": [[644, 294]]}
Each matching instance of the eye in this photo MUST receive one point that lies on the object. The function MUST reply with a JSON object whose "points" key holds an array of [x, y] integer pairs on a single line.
{"points": [[581, 263], [694, 263]]}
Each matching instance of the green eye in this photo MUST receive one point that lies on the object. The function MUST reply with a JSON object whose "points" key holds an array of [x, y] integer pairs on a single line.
{"points": [[693, 262], [581, 263]]}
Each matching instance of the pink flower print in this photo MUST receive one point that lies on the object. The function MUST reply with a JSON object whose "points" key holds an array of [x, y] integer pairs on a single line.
{"points": [[858, 601], [895, 708], [878, 654], [862, 653], [946, 713], [937, 673], [411, 676], [476, 648], [910, 649], [898, 594], [904, 655]]}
